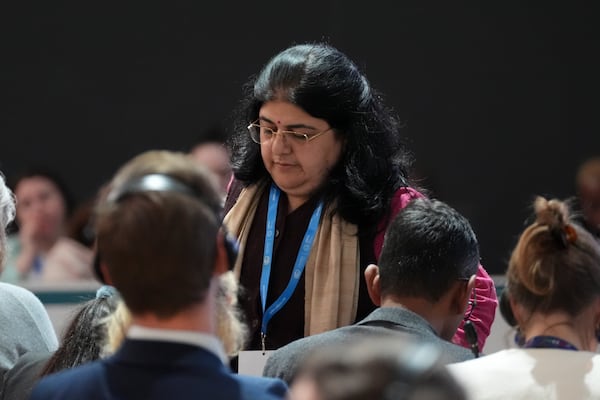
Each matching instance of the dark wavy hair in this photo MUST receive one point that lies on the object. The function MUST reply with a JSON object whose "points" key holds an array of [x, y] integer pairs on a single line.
{"points": [[86, 336], [326, 84]]}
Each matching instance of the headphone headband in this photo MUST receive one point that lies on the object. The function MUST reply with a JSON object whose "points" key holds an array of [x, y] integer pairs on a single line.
{"points": [[166, 183], [150, 183]]}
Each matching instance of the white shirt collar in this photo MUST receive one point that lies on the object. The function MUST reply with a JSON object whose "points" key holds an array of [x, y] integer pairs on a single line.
{"points": [[204, 340]]}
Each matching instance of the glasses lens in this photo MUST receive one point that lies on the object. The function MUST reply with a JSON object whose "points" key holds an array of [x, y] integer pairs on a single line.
{"points": [[254, 133]]}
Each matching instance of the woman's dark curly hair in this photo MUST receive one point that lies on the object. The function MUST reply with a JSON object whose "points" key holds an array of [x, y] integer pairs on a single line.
{"points": [[326, 84]]}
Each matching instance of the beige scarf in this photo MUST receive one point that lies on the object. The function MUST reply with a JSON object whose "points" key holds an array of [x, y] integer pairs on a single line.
{"points": [[332, 270]]}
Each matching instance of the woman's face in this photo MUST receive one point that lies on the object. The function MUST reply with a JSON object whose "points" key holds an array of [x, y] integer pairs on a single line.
{"points": [[40, 207], [299, 168]]}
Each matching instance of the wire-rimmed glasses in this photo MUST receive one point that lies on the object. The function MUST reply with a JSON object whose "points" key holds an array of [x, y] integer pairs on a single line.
{"points": [[263, 134]]}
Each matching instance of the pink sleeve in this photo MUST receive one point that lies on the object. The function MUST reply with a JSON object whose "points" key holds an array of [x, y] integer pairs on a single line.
{"points": [[484, 312], [401, 198]]}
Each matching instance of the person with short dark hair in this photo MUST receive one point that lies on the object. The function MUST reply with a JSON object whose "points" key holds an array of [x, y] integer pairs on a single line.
{"points": [[552, 296], [161, 244], [423, 283]]}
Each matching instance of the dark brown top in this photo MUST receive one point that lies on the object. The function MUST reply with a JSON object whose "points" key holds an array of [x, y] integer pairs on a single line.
{"points": [[287, 324]]}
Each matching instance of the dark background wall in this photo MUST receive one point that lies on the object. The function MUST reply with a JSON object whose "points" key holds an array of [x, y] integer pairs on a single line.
{"points": [[499, 100]]}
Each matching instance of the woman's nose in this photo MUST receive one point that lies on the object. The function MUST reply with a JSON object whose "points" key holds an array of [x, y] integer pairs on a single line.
{"points": [[280, 143]]}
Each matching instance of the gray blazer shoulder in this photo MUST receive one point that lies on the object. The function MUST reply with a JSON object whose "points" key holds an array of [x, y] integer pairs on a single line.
{"points": [[284, 362]]}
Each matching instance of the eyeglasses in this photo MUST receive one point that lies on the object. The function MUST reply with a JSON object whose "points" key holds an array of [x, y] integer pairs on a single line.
{"points": [[263, 134]]}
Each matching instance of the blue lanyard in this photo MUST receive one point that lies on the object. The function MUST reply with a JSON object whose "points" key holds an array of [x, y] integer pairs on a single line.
{"points": [[544, 342], [299, 265]]}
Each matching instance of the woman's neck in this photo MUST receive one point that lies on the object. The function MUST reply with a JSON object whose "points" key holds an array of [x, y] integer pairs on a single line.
{"points": [[295, 201], [562, 327]]}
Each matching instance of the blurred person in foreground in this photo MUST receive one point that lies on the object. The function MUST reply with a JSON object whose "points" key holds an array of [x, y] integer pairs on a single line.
{"points": [[160, 243], [387, 369]]}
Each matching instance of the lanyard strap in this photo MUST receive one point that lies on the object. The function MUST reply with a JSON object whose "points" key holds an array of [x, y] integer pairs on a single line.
{"points": [[544, 342], [299, 265]]}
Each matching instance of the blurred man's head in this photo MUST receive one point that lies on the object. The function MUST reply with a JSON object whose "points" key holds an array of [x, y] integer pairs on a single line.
{"points": [[158, 233]]}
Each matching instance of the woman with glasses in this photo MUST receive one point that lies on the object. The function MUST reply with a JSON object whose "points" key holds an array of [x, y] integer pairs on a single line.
{"points": [[319, 171]]}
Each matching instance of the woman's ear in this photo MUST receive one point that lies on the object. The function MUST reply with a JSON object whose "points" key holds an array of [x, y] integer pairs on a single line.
{"points": [[373, 284]]}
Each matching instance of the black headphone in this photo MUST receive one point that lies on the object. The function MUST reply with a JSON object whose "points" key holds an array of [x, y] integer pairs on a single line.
{"points": [[166, 183], [469, 327]]}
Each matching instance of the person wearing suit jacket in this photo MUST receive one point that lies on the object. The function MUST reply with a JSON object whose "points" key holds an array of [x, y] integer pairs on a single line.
{"points": [[161, 244], [422, 286]]}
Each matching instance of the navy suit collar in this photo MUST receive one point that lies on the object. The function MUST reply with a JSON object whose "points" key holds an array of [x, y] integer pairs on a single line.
{"points": [[157, 353]]}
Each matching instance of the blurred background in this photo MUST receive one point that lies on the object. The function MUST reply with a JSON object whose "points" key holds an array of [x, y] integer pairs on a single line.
{"points": [[499, 99]]}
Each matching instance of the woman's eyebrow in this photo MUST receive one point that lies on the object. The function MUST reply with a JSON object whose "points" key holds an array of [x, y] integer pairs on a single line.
{"points": [[290, 127]]}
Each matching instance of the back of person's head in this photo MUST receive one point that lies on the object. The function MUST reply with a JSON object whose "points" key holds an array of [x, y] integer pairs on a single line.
{"points": [[327, 84], [427, 248], [157, 230], [555, 265], [7, 214], [86, 337], [386, 369]]}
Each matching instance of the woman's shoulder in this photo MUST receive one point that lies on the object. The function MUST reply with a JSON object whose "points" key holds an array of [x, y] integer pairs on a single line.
{"points": [[17, 294], [403, 196]]}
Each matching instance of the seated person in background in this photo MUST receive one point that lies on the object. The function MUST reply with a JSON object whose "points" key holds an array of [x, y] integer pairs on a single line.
{"points": [[423, 283], [87, 338], [588, 193], [44, 205], [553, 297], [160, 243], [70, 259], [211, 152], [376, 370], [24, 323]]}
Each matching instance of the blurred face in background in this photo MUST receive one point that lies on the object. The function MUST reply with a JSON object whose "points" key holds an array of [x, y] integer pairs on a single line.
{"points": [[41, 208], [588, 188], [214, 156]]}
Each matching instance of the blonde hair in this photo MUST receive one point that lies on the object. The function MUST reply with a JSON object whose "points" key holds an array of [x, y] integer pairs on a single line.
{"points": [[231, 329], [116, 328]]}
